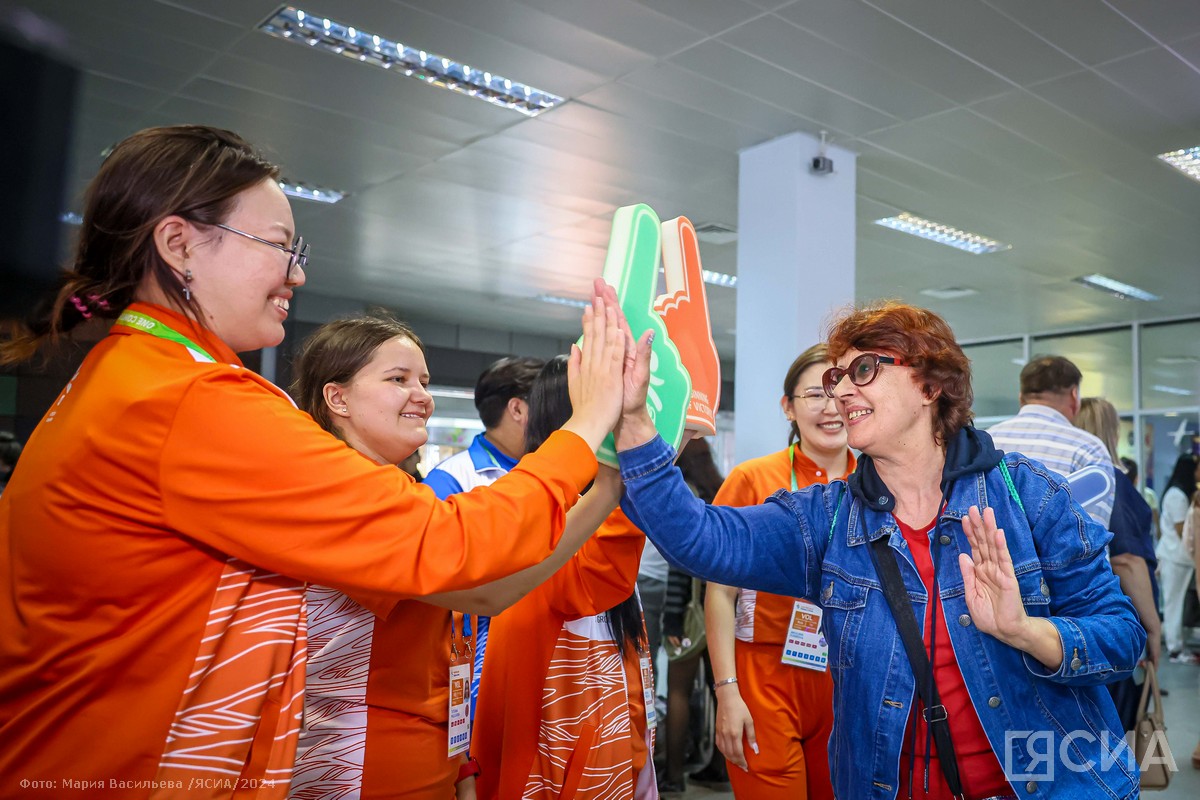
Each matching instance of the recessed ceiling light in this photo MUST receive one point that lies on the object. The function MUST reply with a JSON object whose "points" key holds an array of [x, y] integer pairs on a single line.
{"points": [[1186, 161], [301, 27], [949, 292], [306, 192], [716, 233], [558, 300], [943, 234], [1172, 390], [1116, 287]]}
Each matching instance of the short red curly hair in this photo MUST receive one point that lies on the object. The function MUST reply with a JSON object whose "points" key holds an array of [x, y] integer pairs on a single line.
{"points": [[922, 340]]}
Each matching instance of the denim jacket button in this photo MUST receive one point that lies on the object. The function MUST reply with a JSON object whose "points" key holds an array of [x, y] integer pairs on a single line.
{"points": [[1031, 786], [944, 539], [994, 702], [828, 593], [964, 620], [1076, 663], [1045, 588]]}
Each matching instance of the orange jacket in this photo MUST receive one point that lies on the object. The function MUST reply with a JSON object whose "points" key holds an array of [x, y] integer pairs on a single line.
{"points": [[517, 663], [147, 630]]}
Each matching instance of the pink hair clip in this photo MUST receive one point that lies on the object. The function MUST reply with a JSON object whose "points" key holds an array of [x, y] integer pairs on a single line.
{"points": [[99, 301], [81, 306]]}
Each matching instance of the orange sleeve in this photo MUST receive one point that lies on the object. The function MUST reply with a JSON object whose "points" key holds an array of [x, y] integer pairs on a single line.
{"points": [[737, 490], [601, 574], [244, 472]]}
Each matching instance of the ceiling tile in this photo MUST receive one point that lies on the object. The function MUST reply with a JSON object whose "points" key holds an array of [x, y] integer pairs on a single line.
{"points": [[1084, 29], [1160, 80], [1168, 20]]}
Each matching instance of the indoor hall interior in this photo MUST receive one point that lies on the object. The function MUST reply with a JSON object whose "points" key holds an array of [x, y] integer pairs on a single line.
{"points": [[1025, 168]]}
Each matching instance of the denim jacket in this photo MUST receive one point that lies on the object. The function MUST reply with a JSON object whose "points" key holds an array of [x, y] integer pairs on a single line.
{"points": [[1055, 733]]}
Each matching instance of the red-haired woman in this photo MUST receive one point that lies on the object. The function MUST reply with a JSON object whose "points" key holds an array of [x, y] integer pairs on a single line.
{"points": [[1026, 621]]}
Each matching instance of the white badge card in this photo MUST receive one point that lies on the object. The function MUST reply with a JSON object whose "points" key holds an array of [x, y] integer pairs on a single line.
{"points": [[648, 693], [806, 645], [460, 709]]}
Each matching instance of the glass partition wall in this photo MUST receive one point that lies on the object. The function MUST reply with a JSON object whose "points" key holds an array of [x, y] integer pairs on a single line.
{"points": [[1149, 371]]}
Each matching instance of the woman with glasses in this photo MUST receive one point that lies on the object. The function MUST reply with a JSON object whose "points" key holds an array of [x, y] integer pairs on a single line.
{"points": [[774, 714], [995, 687], [172, 505]]}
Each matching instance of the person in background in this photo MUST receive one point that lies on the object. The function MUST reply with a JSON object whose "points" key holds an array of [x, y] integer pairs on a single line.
{"points": [[566, 698], [412, 466], [774, 716], [1023, 620], [1131, 469], [10, 451], [700, 473], [1131, 551], [171, 505], [1175, 565], [377, 698]]}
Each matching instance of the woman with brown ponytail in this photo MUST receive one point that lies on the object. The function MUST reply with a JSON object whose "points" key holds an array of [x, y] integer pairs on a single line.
{"points": [[171, 505]]}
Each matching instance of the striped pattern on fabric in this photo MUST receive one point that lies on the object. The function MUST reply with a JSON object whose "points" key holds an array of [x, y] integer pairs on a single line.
{"points": [[239, 716]]}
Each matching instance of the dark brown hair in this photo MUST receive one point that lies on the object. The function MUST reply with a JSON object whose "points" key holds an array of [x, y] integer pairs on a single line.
{"points": [[335, 354], [192, 171], [817, 354], [699, 470], [922, 340], [1049, 375], [502, 381]]}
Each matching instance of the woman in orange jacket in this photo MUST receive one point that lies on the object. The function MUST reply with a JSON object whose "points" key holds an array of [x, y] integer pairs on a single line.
{"points": [[567, 680], [774, 717], [156, 537]]}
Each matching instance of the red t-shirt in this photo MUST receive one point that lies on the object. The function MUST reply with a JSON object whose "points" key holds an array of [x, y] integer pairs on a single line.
{"points": [[978, 766]]}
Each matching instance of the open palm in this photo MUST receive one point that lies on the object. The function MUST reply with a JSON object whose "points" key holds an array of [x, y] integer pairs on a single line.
{"points": [[992, 593]]}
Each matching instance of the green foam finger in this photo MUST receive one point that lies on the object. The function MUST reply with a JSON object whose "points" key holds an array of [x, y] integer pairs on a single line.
{"points": [[631, 268]]}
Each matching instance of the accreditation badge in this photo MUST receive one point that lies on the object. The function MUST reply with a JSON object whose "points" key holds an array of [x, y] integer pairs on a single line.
{"points": [[460, 709], [805, 645]]}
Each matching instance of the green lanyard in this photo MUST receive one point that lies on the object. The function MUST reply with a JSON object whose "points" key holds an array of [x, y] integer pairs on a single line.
{"points": [[140, 322], [792, 465]]}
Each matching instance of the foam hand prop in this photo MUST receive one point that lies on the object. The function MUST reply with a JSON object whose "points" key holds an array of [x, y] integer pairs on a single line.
{"points": [[684, 309], [631, 268]]}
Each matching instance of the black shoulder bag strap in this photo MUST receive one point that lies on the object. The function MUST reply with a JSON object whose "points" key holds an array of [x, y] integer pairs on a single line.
{"points": [[914, 645]]}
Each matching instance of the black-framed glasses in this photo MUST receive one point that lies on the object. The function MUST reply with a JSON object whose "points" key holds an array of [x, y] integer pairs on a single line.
{"points": [[813, 400], [297, 253], [862, 370]]}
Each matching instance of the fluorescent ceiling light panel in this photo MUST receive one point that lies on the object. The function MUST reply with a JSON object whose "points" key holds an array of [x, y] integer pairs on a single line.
{"points": [[346, 40], [1186, 161], [942, 234], [1175, 390], [949, 292], [1116, 287], [557, 300], [451, 392], [719, 278], [315, 193]]}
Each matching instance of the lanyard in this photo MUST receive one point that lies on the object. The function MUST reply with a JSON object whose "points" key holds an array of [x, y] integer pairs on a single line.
{"points": [[792, 465], [140, 322]]}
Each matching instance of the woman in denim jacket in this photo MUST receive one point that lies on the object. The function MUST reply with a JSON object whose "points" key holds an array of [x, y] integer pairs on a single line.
{"points": [[1031, 621]]}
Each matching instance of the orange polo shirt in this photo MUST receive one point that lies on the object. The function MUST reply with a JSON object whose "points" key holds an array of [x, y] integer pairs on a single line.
{"points": [[154, 542], [761, 616]]}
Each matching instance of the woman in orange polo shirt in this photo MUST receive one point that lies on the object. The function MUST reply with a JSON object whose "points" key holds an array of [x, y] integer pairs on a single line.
{"points": [[167, 511], [774, 716]]}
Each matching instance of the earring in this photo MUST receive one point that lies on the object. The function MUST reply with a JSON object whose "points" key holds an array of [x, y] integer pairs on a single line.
{"points": [[187, 289]]}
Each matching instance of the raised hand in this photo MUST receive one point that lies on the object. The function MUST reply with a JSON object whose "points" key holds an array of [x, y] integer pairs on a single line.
{"points": [[992, 593], [595, 373], [631, 269], [684, 309]]}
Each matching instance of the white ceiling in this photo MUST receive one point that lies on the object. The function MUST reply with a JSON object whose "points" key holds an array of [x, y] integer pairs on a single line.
{"points": [[1035, 122]]}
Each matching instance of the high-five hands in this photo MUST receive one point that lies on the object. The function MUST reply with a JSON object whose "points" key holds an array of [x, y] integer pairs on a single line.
{"points": [[595, 372]]}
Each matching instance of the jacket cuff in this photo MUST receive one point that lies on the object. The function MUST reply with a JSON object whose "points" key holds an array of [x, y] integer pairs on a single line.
{"points": [[1077, 657], [640, 461]]}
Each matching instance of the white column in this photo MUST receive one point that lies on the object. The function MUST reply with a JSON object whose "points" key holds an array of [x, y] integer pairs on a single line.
{"points": [[795, 255]]}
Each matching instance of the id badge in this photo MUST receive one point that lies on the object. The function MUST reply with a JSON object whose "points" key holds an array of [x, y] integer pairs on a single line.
{"points": [[460, 709], [805, 645], [648, 693]]}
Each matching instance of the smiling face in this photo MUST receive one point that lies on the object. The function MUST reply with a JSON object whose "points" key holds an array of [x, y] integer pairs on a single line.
{"points": [[241, 284], [822, 429], [381, 412], [887, 416]]}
